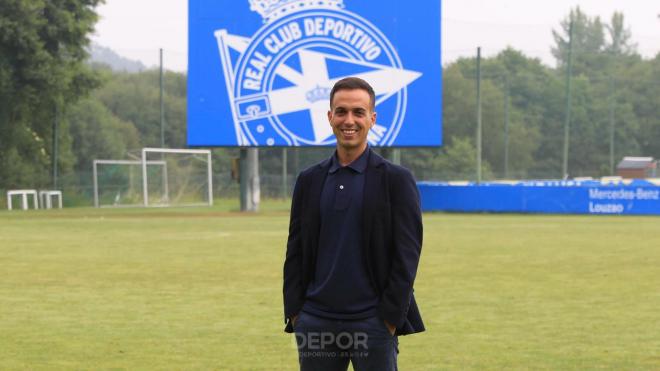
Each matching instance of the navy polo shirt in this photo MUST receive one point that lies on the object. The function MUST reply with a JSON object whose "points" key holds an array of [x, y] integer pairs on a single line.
{"points": [[341, 287]]}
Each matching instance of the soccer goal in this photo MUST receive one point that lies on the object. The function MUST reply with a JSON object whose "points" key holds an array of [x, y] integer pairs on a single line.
{"points": [[184, 180], [118, 183]]}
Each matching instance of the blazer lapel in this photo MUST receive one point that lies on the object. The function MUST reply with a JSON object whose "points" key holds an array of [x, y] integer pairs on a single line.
{"points": [[373, 183], [313, 203]]}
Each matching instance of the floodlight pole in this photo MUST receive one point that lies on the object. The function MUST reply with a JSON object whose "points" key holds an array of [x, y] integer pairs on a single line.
{"points": [[145, 188], [567, 123], [162, 104], [612, 124], [96, 185], [506, 126], [55, 153], [478, 134], [209, 171]]}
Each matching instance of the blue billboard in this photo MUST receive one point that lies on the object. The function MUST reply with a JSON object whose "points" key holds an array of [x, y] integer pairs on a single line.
{"points": [[260, 71], [638, 197]]}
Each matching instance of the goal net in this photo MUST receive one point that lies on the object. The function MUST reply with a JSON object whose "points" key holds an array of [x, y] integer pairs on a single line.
{"points": [[118, 183], [184, 179]]}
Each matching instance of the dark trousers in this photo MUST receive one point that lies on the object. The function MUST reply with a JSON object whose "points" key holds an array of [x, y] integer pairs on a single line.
{"points": [[329, 344]]}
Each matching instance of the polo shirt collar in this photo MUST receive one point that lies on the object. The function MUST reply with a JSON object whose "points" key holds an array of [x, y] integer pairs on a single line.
{"points": [[359, 165]]}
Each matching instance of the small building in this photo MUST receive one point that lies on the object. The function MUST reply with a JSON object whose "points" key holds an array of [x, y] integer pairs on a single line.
{"points": [[637, 168]]}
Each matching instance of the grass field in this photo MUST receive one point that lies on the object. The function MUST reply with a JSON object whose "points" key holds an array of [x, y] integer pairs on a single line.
{"points": [[173, 289]]}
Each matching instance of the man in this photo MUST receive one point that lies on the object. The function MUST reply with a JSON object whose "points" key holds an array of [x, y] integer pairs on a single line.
{"points": [[355, 237]]}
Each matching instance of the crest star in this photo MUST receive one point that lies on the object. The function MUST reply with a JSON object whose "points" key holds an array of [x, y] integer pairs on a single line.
{"points": [[386, 81]]}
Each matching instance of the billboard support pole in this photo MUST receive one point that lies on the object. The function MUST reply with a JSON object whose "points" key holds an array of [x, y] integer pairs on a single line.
{"points": [[285, 191], [250, 185], [392, 154], [396, 156]]}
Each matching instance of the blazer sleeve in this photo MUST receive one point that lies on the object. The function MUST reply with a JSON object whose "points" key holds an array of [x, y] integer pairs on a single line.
{"points": [[293, 285], [407, 235]]}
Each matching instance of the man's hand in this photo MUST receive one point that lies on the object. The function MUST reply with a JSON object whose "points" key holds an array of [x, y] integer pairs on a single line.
{"points": [[391, 328], [293, 320]]}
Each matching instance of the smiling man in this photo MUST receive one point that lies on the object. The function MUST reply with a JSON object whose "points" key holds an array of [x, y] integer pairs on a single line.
{"points": [[355, 238]]}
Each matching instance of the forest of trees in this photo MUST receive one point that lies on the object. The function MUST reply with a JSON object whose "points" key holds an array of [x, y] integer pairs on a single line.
{"points": [[46, 81]]}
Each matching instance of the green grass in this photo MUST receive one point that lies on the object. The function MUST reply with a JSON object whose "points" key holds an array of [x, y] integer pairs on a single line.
{"points": [[201, 289]]}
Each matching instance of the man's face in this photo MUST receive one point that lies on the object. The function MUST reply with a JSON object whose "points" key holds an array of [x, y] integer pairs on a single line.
{"points": [[351, 118]]}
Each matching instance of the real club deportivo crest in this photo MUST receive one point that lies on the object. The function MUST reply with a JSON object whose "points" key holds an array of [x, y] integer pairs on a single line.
{"points": [[279, 85]]}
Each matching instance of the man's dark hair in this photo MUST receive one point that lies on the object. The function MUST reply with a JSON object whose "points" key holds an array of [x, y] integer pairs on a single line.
{"points": [[352, 83]]}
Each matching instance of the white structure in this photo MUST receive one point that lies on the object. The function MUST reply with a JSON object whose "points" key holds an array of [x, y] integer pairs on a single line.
{"points": [[46, 199], [24, 193], [168, 177], [177, 176], [117, 197]]}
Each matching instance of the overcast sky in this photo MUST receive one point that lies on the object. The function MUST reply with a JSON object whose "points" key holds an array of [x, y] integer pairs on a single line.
{"points": [[136, 29]]}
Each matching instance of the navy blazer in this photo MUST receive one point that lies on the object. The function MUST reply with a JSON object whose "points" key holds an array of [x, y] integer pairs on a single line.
{"points": [[392, 239]]}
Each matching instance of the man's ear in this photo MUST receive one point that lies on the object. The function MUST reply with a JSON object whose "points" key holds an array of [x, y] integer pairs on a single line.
{"points": [[330, 116], [373, 119]]}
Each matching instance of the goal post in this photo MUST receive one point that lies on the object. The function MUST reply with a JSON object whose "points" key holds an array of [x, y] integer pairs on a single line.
{"points": [[120, 185], [186, 177]]}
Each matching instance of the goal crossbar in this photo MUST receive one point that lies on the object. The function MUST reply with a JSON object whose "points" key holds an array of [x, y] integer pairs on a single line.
{"points": [[144, 162]]}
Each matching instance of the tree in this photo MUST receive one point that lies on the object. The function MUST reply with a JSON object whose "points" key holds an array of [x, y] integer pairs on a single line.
{"points": [[134, 97], [588, 43], [42, 71], [509, 77], [97, 134], [620, 36], [606, 94], [642, 92]]}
